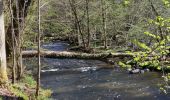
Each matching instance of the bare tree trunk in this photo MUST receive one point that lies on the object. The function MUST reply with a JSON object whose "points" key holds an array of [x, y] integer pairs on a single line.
{"points": [[79, 39], [20, 10], [13, 43], [77, 22], [74, 55], [78, 34], [3, 72], [104, 22], [19, 38], [39, 43], [88, 23]]}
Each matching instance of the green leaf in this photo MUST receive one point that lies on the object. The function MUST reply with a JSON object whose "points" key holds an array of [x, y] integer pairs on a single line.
{"points": [[159, 18], [152, 35], [126, 2], [124, 65], [158, 68], [142, 45]]}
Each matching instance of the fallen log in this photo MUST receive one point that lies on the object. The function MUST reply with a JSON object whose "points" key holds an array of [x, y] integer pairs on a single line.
{"points": [[66, 54]]}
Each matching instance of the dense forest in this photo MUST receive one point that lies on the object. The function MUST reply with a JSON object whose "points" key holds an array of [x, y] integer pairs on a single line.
{"points": [[47, 44]]}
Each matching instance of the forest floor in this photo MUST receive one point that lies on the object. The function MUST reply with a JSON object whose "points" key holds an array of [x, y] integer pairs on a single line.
{"points": [[23, 90], [6, 92]]}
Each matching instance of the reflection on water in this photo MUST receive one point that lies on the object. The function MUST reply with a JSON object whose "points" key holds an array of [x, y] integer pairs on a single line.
{"points": [[72, 79]]}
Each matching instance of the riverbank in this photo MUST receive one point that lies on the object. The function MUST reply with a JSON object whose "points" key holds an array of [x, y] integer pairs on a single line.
{"points": [[23, 90]]}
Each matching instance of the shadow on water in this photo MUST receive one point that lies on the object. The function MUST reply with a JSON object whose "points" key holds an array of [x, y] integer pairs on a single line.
{"points": [[73, 79]]}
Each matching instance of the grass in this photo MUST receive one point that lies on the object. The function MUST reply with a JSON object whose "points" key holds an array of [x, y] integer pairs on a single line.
{"points": [[26, 89], [29, 81]]}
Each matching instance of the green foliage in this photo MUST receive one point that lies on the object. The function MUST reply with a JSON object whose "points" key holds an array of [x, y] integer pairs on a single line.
{"points": [[26, 87], [142, 45], [45, 94], [152, 35], [19, 92], [154, 55], [127, 2], [124, 65], [29, 81], [166, 2], [164, 88]]}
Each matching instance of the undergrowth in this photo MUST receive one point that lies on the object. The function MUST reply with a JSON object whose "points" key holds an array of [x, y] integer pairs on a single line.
{"points": [[26, 89]]}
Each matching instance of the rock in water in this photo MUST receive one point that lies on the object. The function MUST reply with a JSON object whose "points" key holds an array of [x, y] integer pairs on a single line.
{"points": [[110, 61], [146, 70], [142, 71], [129, 69], [135, 71]]}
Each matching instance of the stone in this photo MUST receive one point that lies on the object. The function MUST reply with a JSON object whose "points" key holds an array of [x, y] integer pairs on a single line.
{"points": [[142, 71], [135, 71], [146, 70]]}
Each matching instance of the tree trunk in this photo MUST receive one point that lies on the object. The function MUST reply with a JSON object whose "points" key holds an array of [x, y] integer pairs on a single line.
{"points": [[65, 54], [39, 43], [104, 22], [13, 43], [88, 23], [77, 22], [3, 72], [20, 11]]}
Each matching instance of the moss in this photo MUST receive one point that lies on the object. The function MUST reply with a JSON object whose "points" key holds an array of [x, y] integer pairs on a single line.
{"points": [[3, 76]]}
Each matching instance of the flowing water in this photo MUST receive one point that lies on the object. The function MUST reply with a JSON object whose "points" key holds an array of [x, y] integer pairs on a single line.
{"points": [[74, 79]]}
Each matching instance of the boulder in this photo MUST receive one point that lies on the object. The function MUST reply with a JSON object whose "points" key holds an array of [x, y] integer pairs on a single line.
{"points": [[134, 71]]}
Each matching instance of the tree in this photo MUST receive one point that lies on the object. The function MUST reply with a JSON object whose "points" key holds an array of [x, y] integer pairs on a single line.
{"points": [[103, 3], [39, 43], [88, 24], [13, 43], [3, 72], [19, 10], [77, 22]]}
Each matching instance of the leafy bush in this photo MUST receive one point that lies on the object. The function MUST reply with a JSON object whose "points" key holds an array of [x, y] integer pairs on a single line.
{"points": [[29, 80], [19, 92]]}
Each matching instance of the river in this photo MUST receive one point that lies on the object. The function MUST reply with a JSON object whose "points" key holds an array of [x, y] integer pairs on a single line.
{"points": [[74, 79]]}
